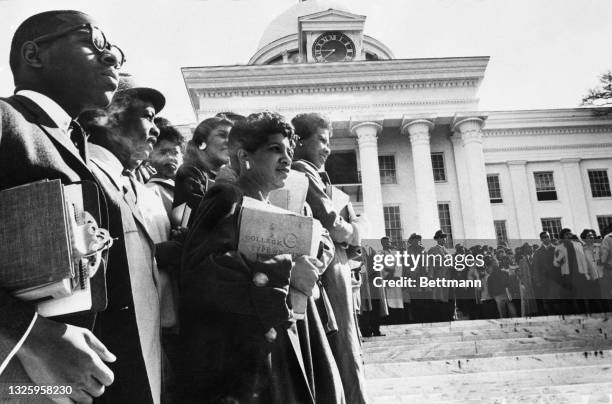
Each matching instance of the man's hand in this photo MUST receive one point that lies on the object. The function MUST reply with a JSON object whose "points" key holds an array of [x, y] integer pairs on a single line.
{"points": [[59, 354], [305, 273]]}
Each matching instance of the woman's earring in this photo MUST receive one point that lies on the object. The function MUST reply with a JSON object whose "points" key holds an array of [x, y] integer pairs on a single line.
{"points": [[247, 165], [203, 146]]}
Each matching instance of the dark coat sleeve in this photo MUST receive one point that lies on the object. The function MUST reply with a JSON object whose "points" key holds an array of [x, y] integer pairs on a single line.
{"points": [[215, 277], [15, 315], [15, 318]]}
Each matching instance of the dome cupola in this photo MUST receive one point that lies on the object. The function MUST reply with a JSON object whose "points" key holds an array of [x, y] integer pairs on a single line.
{"points": [[317, 31]]}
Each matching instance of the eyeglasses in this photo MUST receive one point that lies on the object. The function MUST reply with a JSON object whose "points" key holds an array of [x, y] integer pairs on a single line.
{"points": [[96, 36]]}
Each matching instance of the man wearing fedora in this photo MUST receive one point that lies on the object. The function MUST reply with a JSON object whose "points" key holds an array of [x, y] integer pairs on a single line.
{"points": [[62, 64], [121, 137]]}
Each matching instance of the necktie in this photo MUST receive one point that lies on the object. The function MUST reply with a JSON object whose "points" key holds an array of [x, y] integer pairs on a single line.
{"points": [[324, 177], [78, 137], [130, 191]]}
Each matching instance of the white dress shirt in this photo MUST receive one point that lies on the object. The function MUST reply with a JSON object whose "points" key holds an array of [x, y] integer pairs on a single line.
{"points": [[55, 112]]}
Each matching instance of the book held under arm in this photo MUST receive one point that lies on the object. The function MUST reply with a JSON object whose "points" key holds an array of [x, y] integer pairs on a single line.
{"points": [[50, 246], [266, 231], [292, 196]]}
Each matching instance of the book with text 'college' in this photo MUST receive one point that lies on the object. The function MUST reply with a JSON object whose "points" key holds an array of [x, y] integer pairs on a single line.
{"points": [[267, 230]]}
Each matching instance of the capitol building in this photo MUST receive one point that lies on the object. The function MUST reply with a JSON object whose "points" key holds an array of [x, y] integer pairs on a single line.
{"points": [[410, 144]]}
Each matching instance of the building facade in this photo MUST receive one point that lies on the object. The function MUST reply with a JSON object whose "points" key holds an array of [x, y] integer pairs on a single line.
{"points": [[410, 145]]}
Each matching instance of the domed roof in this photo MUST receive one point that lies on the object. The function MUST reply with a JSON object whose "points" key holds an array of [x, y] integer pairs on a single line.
{"points": [[287, 23]]}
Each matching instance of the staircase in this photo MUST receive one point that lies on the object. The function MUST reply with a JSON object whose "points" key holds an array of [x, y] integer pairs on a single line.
{"points": [[554, 359]]}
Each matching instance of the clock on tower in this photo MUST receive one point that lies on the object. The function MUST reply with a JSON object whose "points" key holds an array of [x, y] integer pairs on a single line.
{"points": [[333, 46]]}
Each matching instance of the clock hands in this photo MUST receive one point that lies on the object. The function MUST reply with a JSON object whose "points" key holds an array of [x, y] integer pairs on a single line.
{"points": [[329, 51]]}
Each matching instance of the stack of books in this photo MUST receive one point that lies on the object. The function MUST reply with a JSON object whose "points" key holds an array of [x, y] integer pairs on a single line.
{"points": [[49, 246]]}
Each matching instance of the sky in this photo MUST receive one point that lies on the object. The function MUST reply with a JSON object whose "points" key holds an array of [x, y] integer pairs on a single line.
{"points": [[544, 53]]}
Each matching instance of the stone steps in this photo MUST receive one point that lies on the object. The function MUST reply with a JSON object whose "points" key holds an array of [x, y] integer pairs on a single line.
{"points": [[493, 381], [408, 340], [458, 327], [541, 360], [590, 393], [476, 365], [484, 348]]}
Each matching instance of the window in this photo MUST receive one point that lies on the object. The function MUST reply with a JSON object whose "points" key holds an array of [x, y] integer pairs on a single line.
{"points": [[500, 232], [552, 225], [445, 222], [437, 163], [545, 186], [600, 184], [603, 222], [393, 224], [495, 195], [387, 169], [341, 167]]}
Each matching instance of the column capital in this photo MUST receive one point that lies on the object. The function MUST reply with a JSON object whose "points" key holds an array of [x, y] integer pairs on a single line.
{"points": [[468, 128], [418, 129], [459, 120], [366, 132]]}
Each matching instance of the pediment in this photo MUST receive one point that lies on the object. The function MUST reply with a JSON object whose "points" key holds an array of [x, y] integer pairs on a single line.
{"points": [[332, 15]]}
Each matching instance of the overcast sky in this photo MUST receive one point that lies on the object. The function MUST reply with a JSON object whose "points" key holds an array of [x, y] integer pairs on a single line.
{"points": [[544, 53]]}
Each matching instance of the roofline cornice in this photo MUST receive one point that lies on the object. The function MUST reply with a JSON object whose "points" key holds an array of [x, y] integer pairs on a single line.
{"points": [[500, 121], [343, 76]]}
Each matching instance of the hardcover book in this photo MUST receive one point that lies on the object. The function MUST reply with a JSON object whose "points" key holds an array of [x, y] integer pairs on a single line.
{"points": [[267, 230], [47, 246], [34, 241], [293, 195]]}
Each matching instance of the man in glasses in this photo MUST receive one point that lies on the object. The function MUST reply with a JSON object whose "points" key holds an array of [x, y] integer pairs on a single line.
{"points": [[62, 65]]}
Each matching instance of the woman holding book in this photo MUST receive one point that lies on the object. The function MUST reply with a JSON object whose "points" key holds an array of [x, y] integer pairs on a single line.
{"points": [[240, 341], [335, 212]]}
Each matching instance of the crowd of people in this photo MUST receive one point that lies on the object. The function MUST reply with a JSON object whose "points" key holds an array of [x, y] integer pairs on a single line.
{"points": [[188, 317], [567, 275]]}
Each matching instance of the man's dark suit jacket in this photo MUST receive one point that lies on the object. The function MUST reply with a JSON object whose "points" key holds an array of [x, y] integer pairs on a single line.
{"points": [[33, 148]]}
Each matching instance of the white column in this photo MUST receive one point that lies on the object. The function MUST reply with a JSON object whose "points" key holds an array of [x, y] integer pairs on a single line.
{"points": [[469, 129], [426, 201], [576, 193], [522, 202], [367, 134], [465, 197]]}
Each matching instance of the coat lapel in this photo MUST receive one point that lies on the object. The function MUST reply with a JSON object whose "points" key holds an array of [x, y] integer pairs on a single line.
{"points": [[47, 125], [130, 202]]}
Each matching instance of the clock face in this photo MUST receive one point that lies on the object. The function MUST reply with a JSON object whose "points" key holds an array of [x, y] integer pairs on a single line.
{"points": [[333, 47]]}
